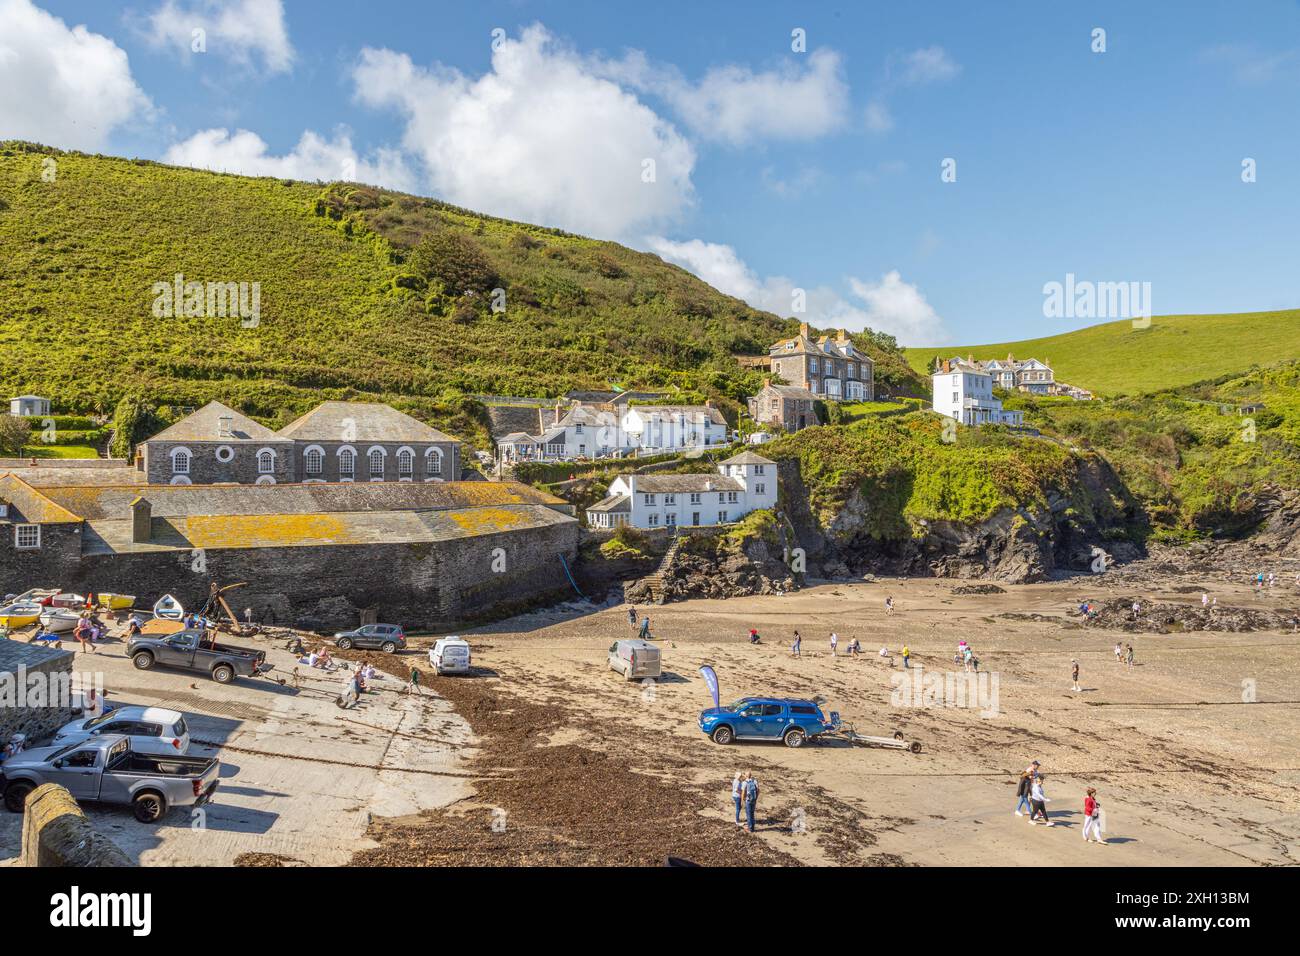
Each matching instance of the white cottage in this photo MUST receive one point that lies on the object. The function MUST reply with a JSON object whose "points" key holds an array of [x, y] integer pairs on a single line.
{"points": [[743, 483], [29, 405], [963, 391]]}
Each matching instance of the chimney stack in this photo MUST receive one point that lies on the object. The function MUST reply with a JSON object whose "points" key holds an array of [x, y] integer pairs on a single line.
{"points": [[558, 415], [223, 426], [842, 338], [803, 329], [141, 520]]}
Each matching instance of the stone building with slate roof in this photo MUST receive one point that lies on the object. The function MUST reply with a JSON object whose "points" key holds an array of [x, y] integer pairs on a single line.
{"points": [[313, 555], [334, 442]]}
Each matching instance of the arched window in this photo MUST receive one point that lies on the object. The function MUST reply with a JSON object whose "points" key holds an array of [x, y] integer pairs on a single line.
{"points": [[405, 463], [433, 462], [265, 462], [314, 460], [376, 463], [347, 463], [181, 462]]}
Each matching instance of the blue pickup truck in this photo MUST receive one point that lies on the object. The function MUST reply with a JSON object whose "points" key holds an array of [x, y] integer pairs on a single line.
{"points": [[787, 719]]}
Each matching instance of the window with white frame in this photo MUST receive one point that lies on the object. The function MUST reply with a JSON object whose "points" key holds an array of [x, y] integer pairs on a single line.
{"points": [[347, 463], [654, 519], [405, 463], [181, 462], [758, 469], [722, 517], [27, 536], [314, 461], [670, 499], [760, 488], [671, 520], [695, 497], [731, 498], [376, 457], [648, 500], [265, 462]]}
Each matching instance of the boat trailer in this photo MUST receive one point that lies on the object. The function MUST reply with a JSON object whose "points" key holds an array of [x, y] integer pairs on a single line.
{"points": [[845, 731]]}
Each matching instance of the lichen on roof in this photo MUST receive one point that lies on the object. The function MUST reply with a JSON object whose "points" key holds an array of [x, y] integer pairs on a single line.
{"points": [[488, 520]]}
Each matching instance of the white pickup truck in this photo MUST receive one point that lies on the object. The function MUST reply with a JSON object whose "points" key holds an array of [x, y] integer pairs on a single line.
{"points": [[106, 769]]}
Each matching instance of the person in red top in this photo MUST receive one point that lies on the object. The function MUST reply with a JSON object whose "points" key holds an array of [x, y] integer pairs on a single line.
{"points": [[1092, 817]]}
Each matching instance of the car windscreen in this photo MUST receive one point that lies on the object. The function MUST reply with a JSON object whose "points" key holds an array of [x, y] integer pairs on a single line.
{"points": [[63, 752], [102, 719], [180, 727]]}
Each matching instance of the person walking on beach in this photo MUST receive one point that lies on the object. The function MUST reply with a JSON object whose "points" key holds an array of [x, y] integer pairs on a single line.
{"points": [[737, 785], [1092, 817], [1130, 656], [1119, 653], [794, 648], [1205, 599], [751, 800], [645, 628], [907, 657], [631, 617], [1074, 674], [1022, 793], [889, 605], [1137, 610], [413, 685], [835, 642], [1039, 801]]}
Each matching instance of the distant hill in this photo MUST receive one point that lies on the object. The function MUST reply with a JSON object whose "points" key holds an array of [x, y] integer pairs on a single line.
{"points": [[1176, 350], [364, 294]]}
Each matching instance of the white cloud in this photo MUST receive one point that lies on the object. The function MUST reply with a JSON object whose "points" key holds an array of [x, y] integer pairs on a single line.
{"points": [[890, 305], [313, 158], [929, 65], [540, 137], [878, 117], [735, 105], [1251, 66], [237, 31], [899, 308], [63, 86]]}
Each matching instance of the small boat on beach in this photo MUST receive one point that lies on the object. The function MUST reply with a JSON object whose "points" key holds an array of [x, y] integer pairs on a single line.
{"points": [[59, 620], [116, 602], [20, 614], [168, 608], [68, 599]]}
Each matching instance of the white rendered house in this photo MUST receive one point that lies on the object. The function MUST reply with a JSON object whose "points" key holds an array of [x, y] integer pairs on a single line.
{"points": [[744, 483], [965, 393]]}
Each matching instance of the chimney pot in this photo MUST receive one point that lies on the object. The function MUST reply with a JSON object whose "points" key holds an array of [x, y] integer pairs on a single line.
{"points": [[141, 520]]}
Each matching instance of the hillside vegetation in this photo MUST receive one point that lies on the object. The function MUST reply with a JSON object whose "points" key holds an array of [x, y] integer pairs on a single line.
{"points": [[1176, 350], [1197, 457], [364, 294]]}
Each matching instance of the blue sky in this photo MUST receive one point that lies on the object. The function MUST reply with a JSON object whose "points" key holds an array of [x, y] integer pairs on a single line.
{"points": [[775, 170]]}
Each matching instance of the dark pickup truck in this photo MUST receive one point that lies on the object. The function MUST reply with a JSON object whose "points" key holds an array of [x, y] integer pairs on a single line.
{"points": [[194, 650]]}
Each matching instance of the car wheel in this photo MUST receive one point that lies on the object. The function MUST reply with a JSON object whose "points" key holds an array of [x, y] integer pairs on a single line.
{"points": [[16, 795], [794, 737], [148, 807], [223, 673], [723, 735], [345, 643], [388, 647], [142, 661]]}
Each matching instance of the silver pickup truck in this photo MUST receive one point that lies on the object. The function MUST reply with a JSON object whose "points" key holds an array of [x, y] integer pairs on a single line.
{"points": [[106, 769]]}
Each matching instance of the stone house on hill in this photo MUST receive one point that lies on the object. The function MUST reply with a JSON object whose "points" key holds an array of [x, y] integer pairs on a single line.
{"points": [[788, 407], [829, 368]]}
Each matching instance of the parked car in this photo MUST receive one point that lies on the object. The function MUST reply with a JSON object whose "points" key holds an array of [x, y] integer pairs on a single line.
{"points": [[449, 655], [635, 659], [107, 770], [793, 721], [152, 730], [388, 638], [192, 650]]}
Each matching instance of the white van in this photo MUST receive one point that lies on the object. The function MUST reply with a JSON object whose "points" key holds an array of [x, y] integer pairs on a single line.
{"points": [[450, 655], [635, 659]]}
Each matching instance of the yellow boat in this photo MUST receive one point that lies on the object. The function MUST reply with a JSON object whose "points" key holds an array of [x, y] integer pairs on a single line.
{"points": [[116, 602], [20, 614]]}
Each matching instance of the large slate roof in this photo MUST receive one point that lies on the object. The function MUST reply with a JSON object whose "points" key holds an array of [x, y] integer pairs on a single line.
{"points": [[204, 425], [360, 422]]}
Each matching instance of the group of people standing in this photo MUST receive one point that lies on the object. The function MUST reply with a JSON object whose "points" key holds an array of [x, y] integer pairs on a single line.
{"points": [[744, 793], [1031, 797]]}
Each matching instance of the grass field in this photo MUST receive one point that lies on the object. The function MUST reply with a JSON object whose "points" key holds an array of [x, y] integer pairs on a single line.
{"points": [[59, 451], [1176, 350]]}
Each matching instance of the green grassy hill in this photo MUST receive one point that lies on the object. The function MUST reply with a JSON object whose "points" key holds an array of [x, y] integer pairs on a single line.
{"points": [[1176, 350], [364, 294]]}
